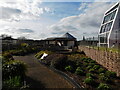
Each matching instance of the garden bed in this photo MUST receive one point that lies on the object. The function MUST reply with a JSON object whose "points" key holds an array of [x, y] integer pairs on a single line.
{"points": [[87, 72]]}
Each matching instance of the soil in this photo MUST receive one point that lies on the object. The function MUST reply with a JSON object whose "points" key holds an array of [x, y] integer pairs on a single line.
{"points": [[39, 76]]}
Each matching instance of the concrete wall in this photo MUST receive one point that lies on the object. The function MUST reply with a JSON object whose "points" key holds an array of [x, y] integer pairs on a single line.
{"points": [[109, 60]]}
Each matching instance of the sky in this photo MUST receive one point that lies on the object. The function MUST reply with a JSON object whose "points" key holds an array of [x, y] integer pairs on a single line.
{"points": [[40, 19]]}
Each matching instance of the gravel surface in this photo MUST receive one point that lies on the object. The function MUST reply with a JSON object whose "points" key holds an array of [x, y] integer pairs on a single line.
{"points": [[39, 76]]}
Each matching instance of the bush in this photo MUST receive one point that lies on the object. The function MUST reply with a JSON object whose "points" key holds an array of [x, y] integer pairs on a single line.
{"points": [[6, 57], [58, 61], [85, 64], [79, 71], [89, 75], [78, 63], [91, 64], [39, 54], [13, 82], [101, 70], [89, 67], [89, 80], [103, 86], [75, 57], [110, 74], [69, 68], [96, 67], [13, 68], [92, 70], [103, 77]]}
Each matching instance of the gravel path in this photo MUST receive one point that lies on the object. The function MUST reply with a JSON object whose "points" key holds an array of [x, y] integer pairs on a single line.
{"points": [[39, 76]]}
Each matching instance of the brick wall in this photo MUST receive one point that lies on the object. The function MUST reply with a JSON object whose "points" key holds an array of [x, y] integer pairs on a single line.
{"points": [[107, 59]]}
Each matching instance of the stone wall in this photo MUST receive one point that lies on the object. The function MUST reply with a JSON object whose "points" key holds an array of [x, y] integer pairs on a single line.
{"points": [[107, 59]]}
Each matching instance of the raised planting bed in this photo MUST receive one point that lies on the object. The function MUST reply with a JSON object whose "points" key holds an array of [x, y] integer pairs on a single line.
{"points": [[87, 72]]}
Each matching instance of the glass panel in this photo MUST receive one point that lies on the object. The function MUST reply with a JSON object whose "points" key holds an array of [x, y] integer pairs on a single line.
{"points": [[109, 17], [113, 15], [109, 26], [103, 38]]}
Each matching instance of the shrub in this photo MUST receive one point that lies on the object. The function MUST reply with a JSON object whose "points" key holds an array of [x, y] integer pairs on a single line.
{"points": [[13, 82], [92, 70], [92, 61], [79, 71], [69, 68], [103, 86], [39, 54], [78, 63], [96, 67], [13, 68], [89, 75], [6, 57], [89, 80], [88, 67], [75, 57], [101, 70], [103, 77], [110, 74], [58, 61], [91, 64], [85, 64]]}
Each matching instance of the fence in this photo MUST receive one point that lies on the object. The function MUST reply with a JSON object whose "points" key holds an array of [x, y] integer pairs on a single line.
{"points": [[108, 59]]}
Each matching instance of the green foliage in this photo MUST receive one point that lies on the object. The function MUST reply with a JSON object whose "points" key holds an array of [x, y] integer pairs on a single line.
{"points": [[75, 57], [79, 71], [96, 67], [110, 74], [92, 70], [39, 54], [101, 70], [89, 80], [91, 64], [6, 57], [13, 82], [57, 61], [103, 86], [103, 77], [89, 67], [89, 75], [69, 68], [85, 64], [24, 44], [13, 68]]}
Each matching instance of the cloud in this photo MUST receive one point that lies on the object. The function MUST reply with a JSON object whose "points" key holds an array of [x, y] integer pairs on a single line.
{"points": [[25, 30], [87, 23], [22, 10]]}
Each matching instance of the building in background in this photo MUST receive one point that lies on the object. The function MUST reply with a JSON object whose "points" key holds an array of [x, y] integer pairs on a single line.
{"points": [[67, 41], [109, 34]]}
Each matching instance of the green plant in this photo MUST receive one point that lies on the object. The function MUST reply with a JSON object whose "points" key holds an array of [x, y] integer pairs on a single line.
{"points": [[103, 86], [88, 67], [91, 64], [13, 68], [101, 70], [92, 70], [79, 71], [13, 82], [110, 74], [89, 75], [69, 68], [89, 80], [96, 67], [85, 64], [104, 78], [58, 61]]}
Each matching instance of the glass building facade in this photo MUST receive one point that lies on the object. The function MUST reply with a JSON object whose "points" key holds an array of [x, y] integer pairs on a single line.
{"points": [[108, 25]]}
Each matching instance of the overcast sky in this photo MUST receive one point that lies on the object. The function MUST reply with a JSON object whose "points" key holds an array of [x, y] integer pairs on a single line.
{"points": [[38, 19]]}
